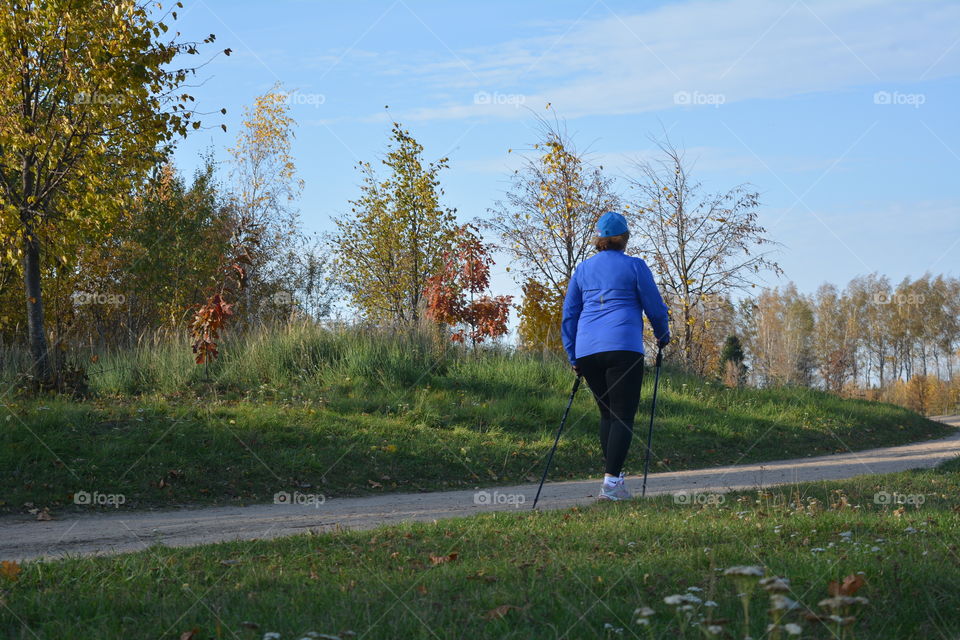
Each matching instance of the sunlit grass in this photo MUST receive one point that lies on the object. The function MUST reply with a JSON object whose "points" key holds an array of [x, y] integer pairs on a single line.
{"points": [[351, 411], [577, 573]]}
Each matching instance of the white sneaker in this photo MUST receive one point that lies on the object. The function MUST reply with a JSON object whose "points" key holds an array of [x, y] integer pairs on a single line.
{"points": [[617, 492]]}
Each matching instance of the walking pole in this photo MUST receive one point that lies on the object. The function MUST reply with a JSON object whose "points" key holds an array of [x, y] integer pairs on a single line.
{"points": [[656, 382], [576, 385]]}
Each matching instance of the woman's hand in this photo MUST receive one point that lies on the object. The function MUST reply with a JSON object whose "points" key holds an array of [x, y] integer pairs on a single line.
{"points": [[576, 369]]}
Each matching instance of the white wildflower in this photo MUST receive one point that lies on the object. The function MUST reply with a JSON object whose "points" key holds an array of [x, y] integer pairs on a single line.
{"points": [[780, 602], [776, 584]]}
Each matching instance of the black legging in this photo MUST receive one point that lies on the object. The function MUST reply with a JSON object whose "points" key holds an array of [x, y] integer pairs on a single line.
{"points": [[615, 378]]}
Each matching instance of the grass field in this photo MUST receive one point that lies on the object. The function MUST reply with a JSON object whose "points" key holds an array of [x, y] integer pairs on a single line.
{"points": [[350, 412], [576, 573]]}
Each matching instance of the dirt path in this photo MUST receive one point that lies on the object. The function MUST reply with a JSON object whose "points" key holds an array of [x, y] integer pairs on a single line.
{"points": [[22, 537]]}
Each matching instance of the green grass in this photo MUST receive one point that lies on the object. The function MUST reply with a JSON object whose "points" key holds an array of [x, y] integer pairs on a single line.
{"points": [[561, 574], [349, 412]]}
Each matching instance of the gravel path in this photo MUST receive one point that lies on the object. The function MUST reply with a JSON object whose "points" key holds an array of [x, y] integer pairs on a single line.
{"points": [[23, 537]]}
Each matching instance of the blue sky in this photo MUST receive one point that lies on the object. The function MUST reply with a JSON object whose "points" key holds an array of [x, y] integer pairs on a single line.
{"points": [[842, 114]]}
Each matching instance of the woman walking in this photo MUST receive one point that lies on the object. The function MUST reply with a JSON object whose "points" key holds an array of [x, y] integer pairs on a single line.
{"points": [[603, 336]]}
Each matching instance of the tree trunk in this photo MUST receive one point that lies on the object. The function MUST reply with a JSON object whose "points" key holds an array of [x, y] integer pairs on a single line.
{"points": [[35, 323]]}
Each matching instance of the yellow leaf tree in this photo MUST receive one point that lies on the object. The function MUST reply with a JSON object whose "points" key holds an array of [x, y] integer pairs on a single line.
{"points": [[547, 225], [396, 234], [92, 99]]}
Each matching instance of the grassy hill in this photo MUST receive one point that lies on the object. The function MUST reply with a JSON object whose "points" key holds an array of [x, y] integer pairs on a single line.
{"points": [[349, 412]]}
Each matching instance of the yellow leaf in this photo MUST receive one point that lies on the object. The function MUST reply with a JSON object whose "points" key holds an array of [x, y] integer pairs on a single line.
{"points": [[10, 570]]}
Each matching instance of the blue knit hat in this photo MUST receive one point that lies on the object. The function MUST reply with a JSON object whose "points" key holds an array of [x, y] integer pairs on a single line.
{"points": [[611, 224]]}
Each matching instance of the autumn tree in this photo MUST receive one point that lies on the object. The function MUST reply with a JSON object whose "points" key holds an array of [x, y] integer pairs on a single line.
{"points": [[156, 261], [395, 235], [264, 186], [834, 337], [781, 344], [458, 295], [540, 313], [93, 98], [546, 224], [703, 246]]}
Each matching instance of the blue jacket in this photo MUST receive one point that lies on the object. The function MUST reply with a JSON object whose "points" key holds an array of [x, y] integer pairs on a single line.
{"points": [[606, 298]]}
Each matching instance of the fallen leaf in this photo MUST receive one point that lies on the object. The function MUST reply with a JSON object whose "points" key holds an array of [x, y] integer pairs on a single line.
{"points": [[374, 484], [443, 559], [499, 612], [44, 515], [848, 587], [422, 589], [482, 577], [190, 635], [10, 569]]}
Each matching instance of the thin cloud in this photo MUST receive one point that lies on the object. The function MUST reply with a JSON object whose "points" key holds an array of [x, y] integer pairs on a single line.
{"points": [[735, 50]]}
